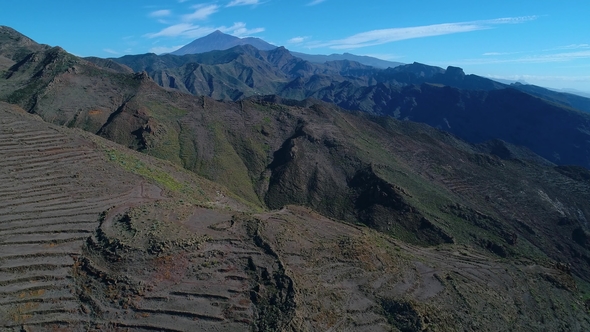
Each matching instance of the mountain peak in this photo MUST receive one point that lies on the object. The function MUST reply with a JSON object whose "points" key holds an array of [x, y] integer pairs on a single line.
{"points": [[219, 41]]}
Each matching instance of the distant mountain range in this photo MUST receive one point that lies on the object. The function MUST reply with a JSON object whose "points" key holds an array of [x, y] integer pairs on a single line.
{"points": [[219, 41], [468, 106]]}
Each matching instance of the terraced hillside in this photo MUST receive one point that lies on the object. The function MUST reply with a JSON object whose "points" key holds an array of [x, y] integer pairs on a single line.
{"points": [[60, 194], [97, 237], [49, 208]]}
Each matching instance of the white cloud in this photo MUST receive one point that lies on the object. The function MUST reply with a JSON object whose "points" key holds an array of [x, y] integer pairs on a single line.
{"points": [[557, 57], [570, 47], [239, 30], [243, 3], [160, 13], [297, 40], [202, 12], [174, 30], [383, 36], [315, 2], [542, 58], [565, 53], [186, 27], [508, 20], [110, 51], [164, 49], [499, 53], [576, 46], [189, 30]]}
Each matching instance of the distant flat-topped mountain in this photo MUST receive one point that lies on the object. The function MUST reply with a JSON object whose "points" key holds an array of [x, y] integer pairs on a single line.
{"points": [[219, 41], [365, 60]]}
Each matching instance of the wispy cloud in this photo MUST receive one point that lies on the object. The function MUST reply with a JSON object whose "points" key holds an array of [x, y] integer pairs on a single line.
{"points": [[575, 46], [243, 3], [499, 53], [539, 58], [569, 47], [202, 12], [297, 40], [174, 30], [110, 51], [160, 13], [189, 30], [315, 2], [548, 80], [566, 52], [239, 30], [383, 36], [557, 57], [164, 49]]}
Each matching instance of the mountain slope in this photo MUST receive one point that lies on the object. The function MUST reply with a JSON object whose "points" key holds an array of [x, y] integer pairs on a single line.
{"points": [[393, 197], [416, 228], [572, 100], [428, 283], [557, 133], [254, 148]]}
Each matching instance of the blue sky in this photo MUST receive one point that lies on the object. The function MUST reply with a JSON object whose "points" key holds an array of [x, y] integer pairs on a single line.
{"points": [[543, 42]]}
